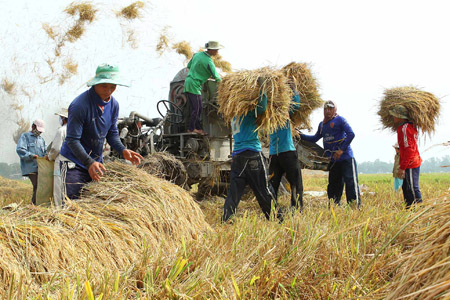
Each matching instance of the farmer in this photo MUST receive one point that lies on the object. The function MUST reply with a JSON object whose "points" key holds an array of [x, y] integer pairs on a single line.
{"points": [[248, 166], [410, 160], [53, 153], [29, 147], [284, 159], [201, 68], [92, 119], [337, 136]]}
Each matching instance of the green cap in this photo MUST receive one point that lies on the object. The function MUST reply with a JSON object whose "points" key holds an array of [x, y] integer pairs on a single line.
{"points": [[106, 73], [399, 111]]}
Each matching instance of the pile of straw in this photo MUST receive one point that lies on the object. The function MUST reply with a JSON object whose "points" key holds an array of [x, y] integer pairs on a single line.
{"points": [[239, 92], [425, 270], [132, 11], [108, 230], [423, 107], [308, 89], [166, 166], [184, 48]]}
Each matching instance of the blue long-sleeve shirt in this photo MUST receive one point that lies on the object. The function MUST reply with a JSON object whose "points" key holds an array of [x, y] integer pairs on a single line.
{"points": [[281, 140], [28, 146], [337, 135], [245, 135], [88, 127]]}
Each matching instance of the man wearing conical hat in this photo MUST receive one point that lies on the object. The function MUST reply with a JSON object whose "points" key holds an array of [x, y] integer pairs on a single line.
{"points": [[410, 160], [201, 68], [92, 120]]}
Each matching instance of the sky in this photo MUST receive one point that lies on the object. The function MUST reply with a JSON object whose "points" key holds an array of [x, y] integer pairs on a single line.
{"points": [[356, 50]]}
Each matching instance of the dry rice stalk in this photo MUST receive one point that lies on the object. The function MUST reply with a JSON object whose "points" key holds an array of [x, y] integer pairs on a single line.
{"points": [[166, 166], [132, 11], [163, 43], [184, 48], [71, 67], [75, 32], [84, 10], [423, 107], [24, 126], [308, 89], [222, 64], [108, 229], [8, 86], [50, 31], [425, 270], [239, 92]]}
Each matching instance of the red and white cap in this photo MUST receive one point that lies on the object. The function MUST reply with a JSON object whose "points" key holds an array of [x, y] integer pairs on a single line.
{"points": [[40, 125]]}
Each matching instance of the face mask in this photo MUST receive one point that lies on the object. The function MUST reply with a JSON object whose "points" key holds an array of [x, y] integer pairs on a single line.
{"points": [[36, 132]]}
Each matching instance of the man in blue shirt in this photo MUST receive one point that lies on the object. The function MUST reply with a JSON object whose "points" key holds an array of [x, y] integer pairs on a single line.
{"points": [[337, 136], [284, 159], [248, 166], [92, 119], [29, 147]]}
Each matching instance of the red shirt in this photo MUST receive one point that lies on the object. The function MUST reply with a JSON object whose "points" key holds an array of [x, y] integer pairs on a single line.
{"points": [[407, 142]]}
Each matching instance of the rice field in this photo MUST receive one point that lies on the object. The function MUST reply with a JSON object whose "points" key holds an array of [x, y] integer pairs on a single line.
{"points": [[338, 253]]}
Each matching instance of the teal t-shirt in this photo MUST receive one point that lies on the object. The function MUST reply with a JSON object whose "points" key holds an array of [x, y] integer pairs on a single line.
{"points": [[245, 135], [281, 140]]}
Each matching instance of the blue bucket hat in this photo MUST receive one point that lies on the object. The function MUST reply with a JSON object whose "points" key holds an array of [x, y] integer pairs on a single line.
{"points": [[106, 73]]}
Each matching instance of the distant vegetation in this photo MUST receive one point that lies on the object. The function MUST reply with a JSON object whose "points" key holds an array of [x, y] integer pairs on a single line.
{"points": [[432, 165]]}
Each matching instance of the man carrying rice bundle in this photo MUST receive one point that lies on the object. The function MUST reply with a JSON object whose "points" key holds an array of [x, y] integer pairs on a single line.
{"points": [[201, 68], [248, 165], [337, 136], [410, 160], [92, 119], [284, 159]]}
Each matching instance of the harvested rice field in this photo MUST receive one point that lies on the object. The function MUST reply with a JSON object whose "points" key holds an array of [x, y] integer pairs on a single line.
{"points": [[136, 236]]}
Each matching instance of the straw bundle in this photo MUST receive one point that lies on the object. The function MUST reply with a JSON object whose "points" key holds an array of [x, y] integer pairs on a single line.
{"points": [[184, 48], [108, 230], [239, 92], [166, 166], [308, 89], [132, 12], [425, 270], [222, 64], [423, 107]]}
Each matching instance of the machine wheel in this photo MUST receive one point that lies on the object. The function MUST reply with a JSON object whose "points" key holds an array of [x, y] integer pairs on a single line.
{"points": [[174, 114]]}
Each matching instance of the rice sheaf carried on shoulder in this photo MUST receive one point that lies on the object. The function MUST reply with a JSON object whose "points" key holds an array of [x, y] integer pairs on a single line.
{"points": [[239, 92], [423, 107]]}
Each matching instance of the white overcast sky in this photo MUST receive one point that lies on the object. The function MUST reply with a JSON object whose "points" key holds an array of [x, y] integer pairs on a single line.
{"points": [[356, 49]]}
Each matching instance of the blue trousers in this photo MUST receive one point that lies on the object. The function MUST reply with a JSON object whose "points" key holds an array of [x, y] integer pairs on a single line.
{"points": [[343, 172], [195, 102], [410, 187], [73, 178]]}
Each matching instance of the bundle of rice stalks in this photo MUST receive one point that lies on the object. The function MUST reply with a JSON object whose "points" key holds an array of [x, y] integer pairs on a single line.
{"points": [[423, 107], [222, 64], [84, 10], [425, 270], [184, 48], [308, 89], [239, 93], [132, 11], [107, 230], [166, 166]]}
